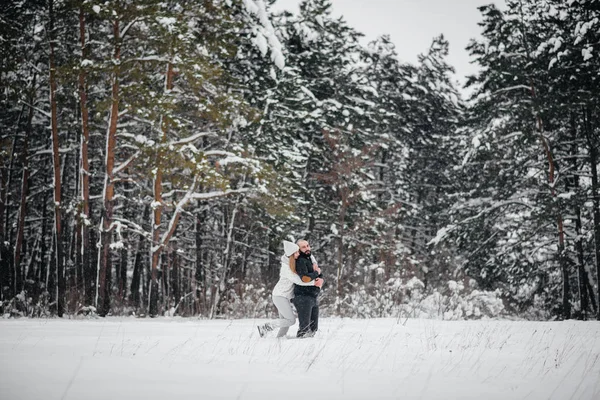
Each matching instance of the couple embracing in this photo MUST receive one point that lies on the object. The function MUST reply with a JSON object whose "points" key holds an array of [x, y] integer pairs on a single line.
{"points": [[300, 282]]}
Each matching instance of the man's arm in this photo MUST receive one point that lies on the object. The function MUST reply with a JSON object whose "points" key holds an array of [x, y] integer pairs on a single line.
{"points": [[302, 266]]}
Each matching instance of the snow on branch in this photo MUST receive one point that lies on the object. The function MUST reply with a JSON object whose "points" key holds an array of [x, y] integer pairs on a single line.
{"points": [[192, 138], [175, 218], [126, 28], [265, 33], [62, 150], [148, 58], [44, 113], [133, 227], [309, 93], [443, 232], [121, 167], [508, 89], [183, 202], [213, 195], [219, 153]]}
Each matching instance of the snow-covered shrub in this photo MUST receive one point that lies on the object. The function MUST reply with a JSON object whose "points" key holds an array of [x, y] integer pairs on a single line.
{"points": [[23, 305], [247, 301], [374, 301], [457, 302], [87, 312], [399, 299]]}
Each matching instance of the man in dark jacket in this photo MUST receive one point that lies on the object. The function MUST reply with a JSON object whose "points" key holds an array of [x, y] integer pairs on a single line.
{"points": [[305, 297]]}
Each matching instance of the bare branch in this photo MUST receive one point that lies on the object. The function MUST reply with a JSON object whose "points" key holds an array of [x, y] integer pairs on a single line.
{"points": [[121, 167], [213, 195], [44, 113], [193, 138]]}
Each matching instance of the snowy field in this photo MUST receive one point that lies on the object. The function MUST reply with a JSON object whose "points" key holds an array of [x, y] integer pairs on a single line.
{"points": [[130, 358]]}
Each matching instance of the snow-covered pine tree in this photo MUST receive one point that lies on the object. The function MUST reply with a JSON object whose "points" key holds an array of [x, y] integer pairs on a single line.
{"points": [[434, 116], [504, 197], [518, 165]]}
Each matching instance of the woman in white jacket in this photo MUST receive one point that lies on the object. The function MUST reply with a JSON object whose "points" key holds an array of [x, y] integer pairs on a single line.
{"points": [[283, 291]]}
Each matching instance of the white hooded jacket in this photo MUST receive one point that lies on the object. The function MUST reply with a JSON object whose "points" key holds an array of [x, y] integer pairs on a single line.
{"points": [[287, 279]]}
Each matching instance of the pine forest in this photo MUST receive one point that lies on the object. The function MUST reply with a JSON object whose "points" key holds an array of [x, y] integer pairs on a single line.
{"points": [[155, 154]]}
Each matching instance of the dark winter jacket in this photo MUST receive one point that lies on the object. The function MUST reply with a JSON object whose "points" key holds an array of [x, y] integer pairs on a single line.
{"points": [[304, 268]]}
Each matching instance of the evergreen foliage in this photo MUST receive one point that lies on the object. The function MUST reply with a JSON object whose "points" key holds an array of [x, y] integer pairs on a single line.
{"points": [[193, 136]]}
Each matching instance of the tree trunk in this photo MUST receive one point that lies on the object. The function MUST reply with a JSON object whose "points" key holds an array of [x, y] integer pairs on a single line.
{"points": [[3, 182], [17, 270], [60, 276], [134, 295], [583, 295], [70, 232], [3, 249], [593, 160], [7, 200], [165, 262], [104, 261], [582, 275], [200, 276], [146, 283], [157, 246], [138, 266], [92, 272], [122, 270], [590, 291], [6, 262], [175, 277], [75, 252], [30, 275], [121, 266], [155, 249], [51, 272], [221, 286], [85, 166], [340, 255], [44, 266], [564, 265], [566, 305]]}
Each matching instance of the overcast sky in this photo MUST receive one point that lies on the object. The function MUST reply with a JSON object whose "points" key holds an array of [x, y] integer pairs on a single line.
{"points": [[412, 24]]}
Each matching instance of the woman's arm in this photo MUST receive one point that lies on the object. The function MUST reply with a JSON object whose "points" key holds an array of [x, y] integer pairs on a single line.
{"points": [[287, 273]]}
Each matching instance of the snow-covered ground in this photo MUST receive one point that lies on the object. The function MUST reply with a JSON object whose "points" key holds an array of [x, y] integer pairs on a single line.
{"points": [[349, 359]]}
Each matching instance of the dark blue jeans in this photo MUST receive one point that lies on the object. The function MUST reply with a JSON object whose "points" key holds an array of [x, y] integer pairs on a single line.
{"points": [[308, 315]]}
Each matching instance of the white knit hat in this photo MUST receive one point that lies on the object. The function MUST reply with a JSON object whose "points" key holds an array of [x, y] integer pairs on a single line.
{"points": [[289, 248]]}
